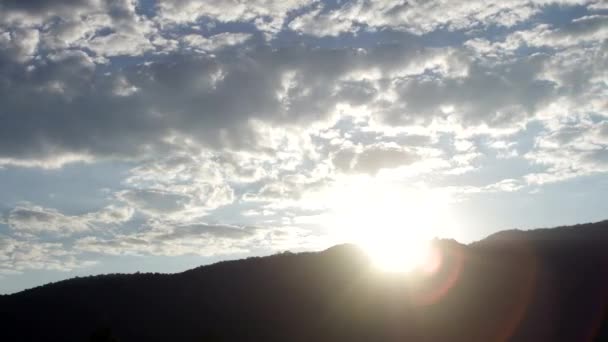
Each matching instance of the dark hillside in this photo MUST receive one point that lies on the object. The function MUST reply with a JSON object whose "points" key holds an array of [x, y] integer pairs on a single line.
{"points": [[541, 285]]}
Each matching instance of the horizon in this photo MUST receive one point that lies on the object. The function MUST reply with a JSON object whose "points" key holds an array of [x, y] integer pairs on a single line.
{"points": [[247, 256], [158, 136]]}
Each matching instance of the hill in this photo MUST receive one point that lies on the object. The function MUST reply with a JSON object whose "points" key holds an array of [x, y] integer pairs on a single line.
{"points": [[538, 285]]}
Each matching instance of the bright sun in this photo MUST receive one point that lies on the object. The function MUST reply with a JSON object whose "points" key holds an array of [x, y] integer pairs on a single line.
{"points": [[391, 223], [396, 255]]}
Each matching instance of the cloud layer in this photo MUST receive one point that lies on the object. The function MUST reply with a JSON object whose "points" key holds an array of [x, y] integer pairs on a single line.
{"points": [[238, 120]]}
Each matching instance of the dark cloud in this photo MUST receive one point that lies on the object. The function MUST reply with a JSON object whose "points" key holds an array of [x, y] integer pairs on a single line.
{"points": [[81, 109], [209, 230], [177, 239], [373, 159], [27, 218], [155, 201], [37, 7], [496, 95], [33, 219]]}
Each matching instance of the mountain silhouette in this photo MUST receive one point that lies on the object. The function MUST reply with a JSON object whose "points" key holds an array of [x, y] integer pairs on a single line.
{"points": [[537, 285]]}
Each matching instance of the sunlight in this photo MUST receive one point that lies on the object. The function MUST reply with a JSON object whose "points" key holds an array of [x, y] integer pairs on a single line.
{"points": [[398, 255], [392, 223]]}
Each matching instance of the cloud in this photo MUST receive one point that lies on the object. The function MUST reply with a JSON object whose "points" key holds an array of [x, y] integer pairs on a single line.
{"points": [[219, 102], [155, 201], [47, 162], [208, 230], [486, 95], [573, 138], [36, 12], [192, 202], [222, 104], [187, 183], [265, 15], [34, 219], [203, 239], [31, 220], [89, 107], [321, 23], [505, 185], [587, 30], [288, 190], [106, 28], [17, 256], [262, 112], [418, 17], [373, 158], [110, 215], [580, 30], [20, 44], [216, 42], [575, 149]]}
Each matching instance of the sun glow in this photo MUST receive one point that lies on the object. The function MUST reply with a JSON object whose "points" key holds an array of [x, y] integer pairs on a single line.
{"points": [[398, 255], [392, 223]]}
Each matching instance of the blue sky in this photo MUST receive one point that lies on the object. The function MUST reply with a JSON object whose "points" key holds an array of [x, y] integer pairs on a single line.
{"points": [[161, 135]]}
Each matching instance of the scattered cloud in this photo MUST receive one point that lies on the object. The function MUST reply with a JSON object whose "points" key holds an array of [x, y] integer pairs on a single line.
{"points": [[216, 42], [259, 113], [373, 158], [29, 219], [18, 255]]}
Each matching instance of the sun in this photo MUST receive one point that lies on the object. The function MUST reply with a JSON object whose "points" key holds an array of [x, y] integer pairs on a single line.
{"points": [[398, 255], [393, 224], [395, 239]]}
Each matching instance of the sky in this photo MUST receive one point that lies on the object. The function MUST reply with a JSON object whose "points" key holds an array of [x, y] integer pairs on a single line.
{"points": [[157, 136]]}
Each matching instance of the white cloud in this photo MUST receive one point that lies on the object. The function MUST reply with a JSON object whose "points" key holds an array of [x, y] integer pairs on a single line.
{"points": [[214, 42], [110, 215], [17, 256], [267, 15], [321, 24], [505, 185], [419, 17], [187, 183], [30, 220], [81, 24], [579, 31], [574, 149], [199, 239], [35, 219], [193, 202], [118, 44], [155, 201], [47, 162]]}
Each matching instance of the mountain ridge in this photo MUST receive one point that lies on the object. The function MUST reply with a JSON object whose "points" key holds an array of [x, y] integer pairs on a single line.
{"points": [[544, 284]]}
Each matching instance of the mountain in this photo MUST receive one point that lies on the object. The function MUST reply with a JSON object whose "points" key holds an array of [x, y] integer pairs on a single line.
{"points": [[538, 285]]}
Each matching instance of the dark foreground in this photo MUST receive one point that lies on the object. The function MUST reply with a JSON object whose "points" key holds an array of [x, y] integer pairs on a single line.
{"points": [[541, 285]]}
